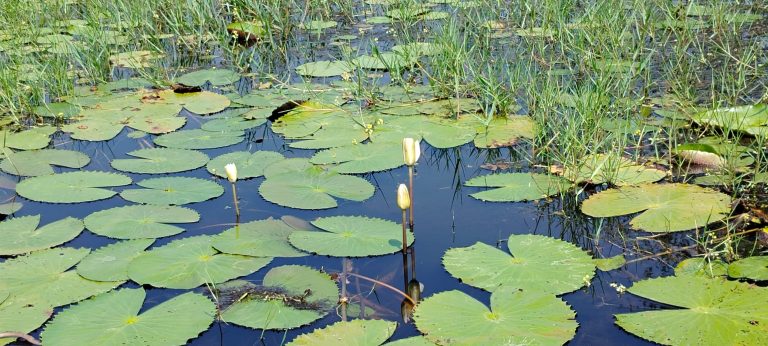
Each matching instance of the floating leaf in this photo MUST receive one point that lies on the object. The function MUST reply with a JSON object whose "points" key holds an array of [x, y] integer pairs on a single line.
{"points": [[173, 191], [611, 263], [351, 236], [202, 102], [538, 264], [232, 124], [38, 282], [114, 319], [10, 208], [110, 263], [161, 160], [35, 138], [71, 187], [199, 139], [714, 312], [39, 162], [752, 119], [412, 341], [249, 165], [217, 77], [324, 68], [505, 132], [514, 318], [362, 158], [351, 333], [274, 312], [753, 268], [190, 262], [516, 187], [312, 187], [665, 208], [139, 221], [701, 266], [263, 238], [613, 169], [21, 235]]}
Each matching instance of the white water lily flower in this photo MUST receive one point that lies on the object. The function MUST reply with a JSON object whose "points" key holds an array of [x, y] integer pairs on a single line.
{"points": [[411, 151], [231, 170], [403, 198]]}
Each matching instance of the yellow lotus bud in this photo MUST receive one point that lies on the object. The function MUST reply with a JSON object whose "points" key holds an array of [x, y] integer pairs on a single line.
{"points": [[411, 151], [403, 199], [231, 170]]}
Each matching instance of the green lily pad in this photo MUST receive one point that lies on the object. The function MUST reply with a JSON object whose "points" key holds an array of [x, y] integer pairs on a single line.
{"points": [[611, 263], [114, 319], [139, 221], [753, 268], [110, 263], [190, 262], [713, 311], [351, 236], [516, 187], [514, 318], [505, 132], [173, 191], [247, 30], [701, 266], [57, 110], [199, 139], [202, 102], [217, 77], [38, 162], [21, 235], [412, 341], [309, 117], [263, 238], [318, 25], [348, 333], [232, 124], [665, 208], [38, 282], [161, 160], [10, 207], [249, 165], [324, 68], [384, 61], [362, 158], [35, 138], [537, 264], [613, 169], [71, 187], [752, 119], [312, 187], [277, 313]]}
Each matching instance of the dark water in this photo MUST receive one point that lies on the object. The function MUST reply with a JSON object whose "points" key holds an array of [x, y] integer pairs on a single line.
{"points": [[445, 217]]}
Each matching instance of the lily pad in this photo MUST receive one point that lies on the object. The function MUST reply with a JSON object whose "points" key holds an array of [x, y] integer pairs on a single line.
{"points": [[505, 132], [249, 165], [161, 160], [351, 236], [71, 187], [202, 102], [324, 68], [263, 238], [664, 207], [753, 268], [199, 139], [514, 318], [281, 310], [173, 191], [752, 119], [313, 187], [611, 263], [351, 333], [613, 169], [35, 138], [38, 162], [110, 263], [537, 264], [362, 158], [21, 235], [233, 124], [701, 266], [516, 187], [217, 77], [140, 221], [713, 311], [190, 262], [114, 319]]}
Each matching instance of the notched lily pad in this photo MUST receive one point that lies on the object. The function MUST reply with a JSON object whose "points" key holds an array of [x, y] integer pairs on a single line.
{"points": [[161, 160], [262, 238], [351, 236], [516, 187], [173, 191], [612, 169], [110, 263], [753, 268], [21, 235], [199, 139], [664, 207], [249, 165], [71, 187], [140, 221], [537, 264], [38, 162], [352, 333]]}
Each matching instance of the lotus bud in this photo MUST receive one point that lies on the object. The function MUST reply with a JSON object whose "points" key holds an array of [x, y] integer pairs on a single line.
{"points": [[403, 199], [231, 170], [411, 151]]}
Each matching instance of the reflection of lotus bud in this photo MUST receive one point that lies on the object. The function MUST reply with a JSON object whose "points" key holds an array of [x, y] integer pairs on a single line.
{"points": [[403, 199], [406, 310], [411, 151], [231, 170]]}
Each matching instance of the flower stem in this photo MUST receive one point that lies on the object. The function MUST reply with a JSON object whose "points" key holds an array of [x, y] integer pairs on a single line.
{"points": [[234, 197], [410, 192]]}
